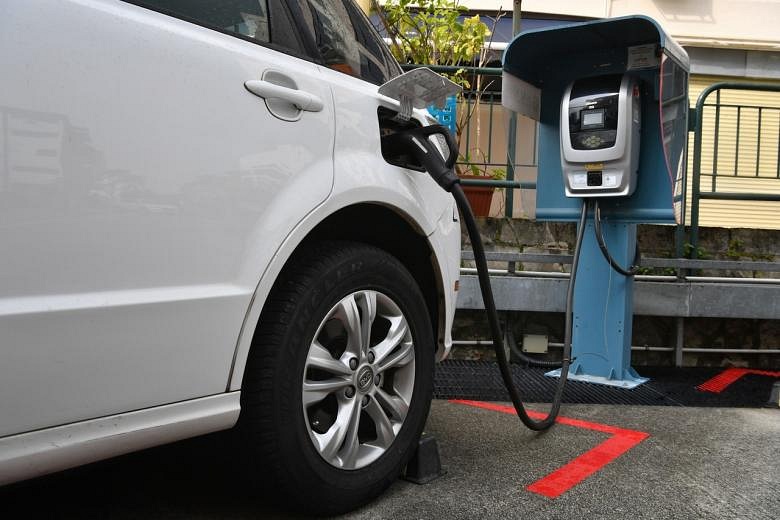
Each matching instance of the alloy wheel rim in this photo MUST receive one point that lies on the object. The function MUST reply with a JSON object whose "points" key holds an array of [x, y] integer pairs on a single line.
{"points": [[358, 379]]}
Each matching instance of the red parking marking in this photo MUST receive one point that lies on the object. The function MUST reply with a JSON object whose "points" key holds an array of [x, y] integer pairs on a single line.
{"points": [[571, 474], [722, 381]]}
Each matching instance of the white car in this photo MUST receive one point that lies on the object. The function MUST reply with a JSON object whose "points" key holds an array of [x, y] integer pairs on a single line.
{"points": [[198, 229]]}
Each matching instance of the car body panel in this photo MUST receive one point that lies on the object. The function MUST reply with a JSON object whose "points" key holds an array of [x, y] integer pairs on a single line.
{"points": [[132, 231], [40, 452]]}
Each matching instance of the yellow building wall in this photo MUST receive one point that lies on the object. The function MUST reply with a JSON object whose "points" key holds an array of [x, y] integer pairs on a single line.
{"points": [[742, 163]]}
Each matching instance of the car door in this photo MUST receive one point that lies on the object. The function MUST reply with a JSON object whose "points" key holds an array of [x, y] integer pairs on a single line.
{"points": [[139, 174]]}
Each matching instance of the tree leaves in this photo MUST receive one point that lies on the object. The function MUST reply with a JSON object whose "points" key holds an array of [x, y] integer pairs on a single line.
{"points": [[431, 32]]}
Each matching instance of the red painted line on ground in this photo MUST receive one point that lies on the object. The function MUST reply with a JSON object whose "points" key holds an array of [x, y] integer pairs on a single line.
{"points": [[723, 380], [582, 467]]}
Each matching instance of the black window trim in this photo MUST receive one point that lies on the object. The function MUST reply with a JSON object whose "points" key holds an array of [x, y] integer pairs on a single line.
{"points": [[352, 11], [309, 39], [387, 55], [279, 48]]}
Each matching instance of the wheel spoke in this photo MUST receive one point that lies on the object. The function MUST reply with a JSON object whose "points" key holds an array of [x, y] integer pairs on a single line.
{"points": [[396, 334], [384, 428], [316, 391], [367, 304], [319, 357], [347, 312], [397, 407], [331, 441], [349, 451], [403, 355]]}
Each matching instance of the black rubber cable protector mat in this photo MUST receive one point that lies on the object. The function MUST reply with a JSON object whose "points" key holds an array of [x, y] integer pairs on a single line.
{"points": [[481, 380]]}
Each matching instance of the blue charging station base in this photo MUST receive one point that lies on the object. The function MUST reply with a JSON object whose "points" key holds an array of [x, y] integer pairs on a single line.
{"points": [[631, 379], [603, 303]]}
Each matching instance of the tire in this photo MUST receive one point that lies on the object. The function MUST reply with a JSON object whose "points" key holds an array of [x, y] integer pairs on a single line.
{"points": [[331, 419]]}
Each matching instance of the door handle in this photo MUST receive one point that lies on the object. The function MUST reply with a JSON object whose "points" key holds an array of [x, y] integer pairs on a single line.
{"points": [[301, 99]]}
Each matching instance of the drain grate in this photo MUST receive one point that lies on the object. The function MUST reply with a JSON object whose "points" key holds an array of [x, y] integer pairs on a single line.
{"points": [[481, 380]]}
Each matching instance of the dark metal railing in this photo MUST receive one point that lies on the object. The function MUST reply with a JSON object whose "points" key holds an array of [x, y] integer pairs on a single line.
{"points": [[732, 169]]}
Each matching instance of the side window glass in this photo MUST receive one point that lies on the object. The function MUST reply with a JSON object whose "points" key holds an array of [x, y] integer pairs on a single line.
{"points": [[262, 21], [346, 42]]}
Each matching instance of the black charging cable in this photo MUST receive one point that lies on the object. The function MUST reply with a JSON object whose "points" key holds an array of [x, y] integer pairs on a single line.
{"points": [[495, 328], [634, 269], [492, 315], [416, 143]]}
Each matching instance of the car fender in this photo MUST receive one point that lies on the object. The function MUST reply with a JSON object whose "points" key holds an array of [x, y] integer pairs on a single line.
{"points": [[397, 191]]}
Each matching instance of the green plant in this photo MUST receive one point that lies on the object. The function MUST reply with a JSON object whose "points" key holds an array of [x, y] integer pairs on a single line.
{"points": [[736, 249], [688, 251], [430, 32], [657, 271], [479, 165]]}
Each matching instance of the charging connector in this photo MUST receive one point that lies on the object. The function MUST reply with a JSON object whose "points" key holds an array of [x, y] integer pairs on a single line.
{"points": [[416, 143]]}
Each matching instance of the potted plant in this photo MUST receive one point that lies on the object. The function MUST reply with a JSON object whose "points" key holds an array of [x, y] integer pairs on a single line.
{"points": [[480, 197]]}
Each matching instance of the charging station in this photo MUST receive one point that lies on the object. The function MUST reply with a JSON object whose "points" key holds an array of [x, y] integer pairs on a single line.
{"points": [[611, 99]]}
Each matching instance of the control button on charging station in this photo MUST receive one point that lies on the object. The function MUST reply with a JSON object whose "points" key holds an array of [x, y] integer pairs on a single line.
{"points": [[579, 180]]}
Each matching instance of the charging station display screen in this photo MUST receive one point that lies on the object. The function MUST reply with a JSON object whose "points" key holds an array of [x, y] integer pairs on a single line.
{"points": [[592, 119], [593, 112]]}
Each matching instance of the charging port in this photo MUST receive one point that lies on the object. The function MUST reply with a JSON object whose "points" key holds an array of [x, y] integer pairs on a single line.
{"points": [[594, 179]]}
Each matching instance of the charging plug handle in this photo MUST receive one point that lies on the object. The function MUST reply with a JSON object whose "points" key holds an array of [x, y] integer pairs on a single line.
{"points": [[417, 143]]}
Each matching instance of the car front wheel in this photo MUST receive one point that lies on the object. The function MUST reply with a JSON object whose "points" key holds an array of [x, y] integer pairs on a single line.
{"points": [[339, 380]]}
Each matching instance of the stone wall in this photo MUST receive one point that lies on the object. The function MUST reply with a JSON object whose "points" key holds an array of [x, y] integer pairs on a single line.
{"points": [[522, 235]]}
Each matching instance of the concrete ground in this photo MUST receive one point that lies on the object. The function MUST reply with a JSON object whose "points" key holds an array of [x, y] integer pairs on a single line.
{"points": [[695, 463]]}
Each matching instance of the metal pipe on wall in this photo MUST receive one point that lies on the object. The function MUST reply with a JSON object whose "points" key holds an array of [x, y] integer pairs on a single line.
{"points": [[691, 350]]}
